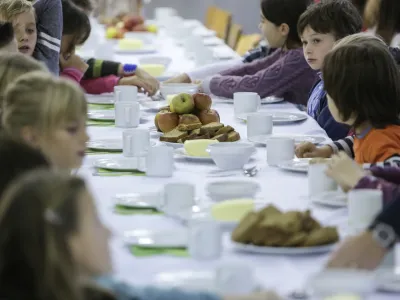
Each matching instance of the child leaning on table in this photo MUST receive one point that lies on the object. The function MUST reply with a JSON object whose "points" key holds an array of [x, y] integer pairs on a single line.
{"points": [[361, 81], [69, 256], [48, 113]]}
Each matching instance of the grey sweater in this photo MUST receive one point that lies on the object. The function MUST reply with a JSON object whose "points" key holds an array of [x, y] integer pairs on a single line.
{"points": [[49, 27]]}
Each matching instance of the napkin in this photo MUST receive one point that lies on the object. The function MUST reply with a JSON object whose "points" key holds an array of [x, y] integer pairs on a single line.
{"points": [[143, 252], [100, 106], [99, 123], [104, 172], [125, 210]]}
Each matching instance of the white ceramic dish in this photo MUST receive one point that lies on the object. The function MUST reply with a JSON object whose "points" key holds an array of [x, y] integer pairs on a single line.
{"points": [[177, 238], [266, 100], [139, 200], [153, 105], [231, 156], [180, 152], [122, 164], [177, 88], [331, 199], [226, 189], [108, 98], [146, 49], [263, 139], [281, 117], [109, 144], [299, 165], [282, 250]]}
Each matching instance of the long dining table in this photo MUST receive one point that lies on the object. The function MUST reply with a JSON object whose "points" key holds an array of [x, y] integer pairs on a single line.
{"points": [[286, 190]]}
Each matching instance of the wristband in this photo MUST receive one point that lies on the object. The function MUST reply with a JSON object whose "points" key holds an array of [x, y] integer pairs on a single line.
{"points": [[129, 69]]}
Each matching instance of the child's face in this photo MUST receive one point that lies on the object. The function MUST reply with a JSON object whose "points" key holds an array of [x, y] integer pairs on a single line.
{"points": [[89, 245], [25, 32], [316, 46], [275, 35], [66, 146]]}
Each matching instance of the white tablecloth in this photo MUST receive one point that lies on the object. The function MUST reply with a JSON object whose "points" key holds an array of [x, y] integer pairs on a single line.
{"points": [[286, 190]]}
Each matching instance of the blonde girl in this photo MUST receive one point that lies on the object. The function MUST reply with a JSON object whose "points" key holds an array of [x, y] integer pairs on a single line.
{"points": [[50, 114], [52, 237]]}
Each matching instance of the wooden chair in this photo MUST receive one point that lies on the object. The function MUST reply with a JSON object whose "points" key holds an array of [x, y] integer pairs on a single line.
{"points": [[210, 16], [221, 22], [246, 43], [234, 35]]}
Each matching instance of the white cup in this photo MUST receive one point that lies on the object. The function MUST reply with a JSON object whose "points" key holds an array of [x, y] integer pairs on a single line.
{"points": [[259, 123], [279, 150], [128, 93], [127, 114], [205, 237], [364, 205], [245, 102], [178, 197], [318, 181], [135, 142], [160, 161], [235, 279]]}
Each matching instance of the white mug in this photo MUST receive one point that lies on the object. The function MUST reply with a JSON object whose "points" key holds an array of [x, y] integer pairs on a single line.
{"points": [[127, 114], [178, 197], [160, 161], [259, 123], [128, 93], [364, 205], [135, 142], [235, 278], [318, 181], [205, 237], [279, 150], [245, 102]]}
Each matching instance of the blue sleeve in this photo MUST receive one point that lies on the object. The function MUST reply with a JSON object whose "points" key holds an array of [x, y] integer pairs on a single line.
{"points": [[49, 27], [124, 291], [334, 130]]}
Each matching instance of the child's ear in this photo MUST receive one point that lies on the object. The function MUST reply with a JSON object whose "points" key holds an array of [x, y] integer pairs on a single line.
{"points": [[284, 29], [30, 136]]}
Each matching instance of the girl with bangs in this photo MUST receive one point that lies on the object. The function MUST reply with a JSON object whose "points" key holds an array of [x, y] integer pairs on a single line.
{"points": [[49, 114]]}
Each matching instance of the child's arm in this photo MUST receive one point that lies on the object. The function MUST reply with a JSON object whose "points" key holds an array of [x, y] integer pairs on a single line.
{"points": [[100, 85], [99, 68], [389, 190], [345, 145], [49, 25], [391, 174]]}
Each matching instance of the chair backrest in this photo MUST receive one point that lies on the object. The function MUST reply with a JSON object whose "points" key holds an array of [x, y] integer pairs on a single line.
{"points": [[221, 22], [210, 16], [246, 43], [234, 35]]}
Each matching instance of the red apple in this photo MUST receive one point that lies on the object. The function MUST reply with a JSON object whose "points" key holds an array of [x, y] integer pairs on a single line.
{"points": [[202, 101], [165, 121], [208, 116], [140, 28]]}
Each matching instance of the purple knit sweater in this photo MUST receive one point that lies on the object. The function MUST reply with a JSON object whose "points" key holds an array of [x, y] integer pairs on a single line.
{"points": [[283, 74]]}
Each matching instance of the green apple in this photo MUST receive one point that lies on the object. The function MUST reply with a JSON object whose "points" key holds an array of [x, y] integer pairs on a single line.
{"points": [[182, 104]]}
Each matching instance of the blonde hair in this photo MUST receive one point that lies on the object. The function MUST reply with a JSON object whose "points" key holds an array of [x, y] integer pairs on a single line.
{"points": [[360, 38], [41, 101], [9, 9]]}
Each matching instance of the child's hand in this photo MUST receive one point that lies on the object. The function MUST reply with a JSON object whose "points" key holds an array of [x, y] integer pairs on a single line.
{"points": [[182, 78], [73, 61], [345, 171], [309, 150], [151, 82], [135, 81]]}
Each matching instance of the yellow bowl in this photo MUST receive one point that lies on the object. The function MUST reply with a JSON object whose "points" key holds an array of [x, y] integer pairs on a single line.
{"points": [[154, 70]]}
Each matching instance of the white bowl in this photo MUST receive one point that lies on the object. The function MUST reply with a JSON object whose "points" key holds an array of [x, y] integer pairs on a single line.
{"points": [[146, 37], [231, 156], [228, 189], [177, 88], [335, 282], [155, 60]]}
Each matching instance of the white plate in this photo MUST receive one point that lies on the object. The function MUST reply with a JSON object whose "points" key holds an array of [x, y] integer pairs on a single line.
{"points": [[226, 189], [107, 98], [122, 164], [182, 153], [388, 281], [106, 115], [281, 117], [147, 49], [333, 199], [173, 145], [177, 238], [136, 200], [191, 281], [153, 105], [296, 165], [109, 144], [282, 250], [262, 139], [266, 100]]}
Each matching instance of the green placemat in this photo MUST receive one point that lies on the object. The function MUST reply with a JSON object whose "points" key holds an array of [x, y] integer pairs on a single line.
{"points": [[104, 172], [143, 252], [99, 123], [125, 210], [100, 106]]}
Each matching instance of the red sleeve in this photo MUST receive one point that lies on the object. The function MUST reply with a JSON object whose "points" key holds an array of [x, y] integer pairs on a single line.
{"points": [[73, 74], [100, 85]]}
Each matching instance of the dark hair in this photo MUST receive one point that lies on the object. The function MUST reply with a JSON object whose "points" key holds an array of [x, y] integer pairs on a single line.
{"points": [[338, 17], [285, 11], [86, 5], [6, 33], [388, 19], [75, 22], [360, 5], [361, 77], [17, 158]]}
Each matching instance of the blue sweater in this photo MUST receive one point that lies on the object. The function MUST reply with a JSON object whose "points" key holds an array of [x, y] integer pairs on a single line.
{"points": [[317, 108], [123, 291]]}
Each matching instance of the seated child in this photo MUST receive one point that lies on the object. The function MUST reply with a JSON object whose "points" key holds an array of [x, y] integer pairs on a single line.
{"points": [[57, 128], [285, 73], [42, 40], [319, 27], [62, 213], [8, 43], [361, 81]]}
